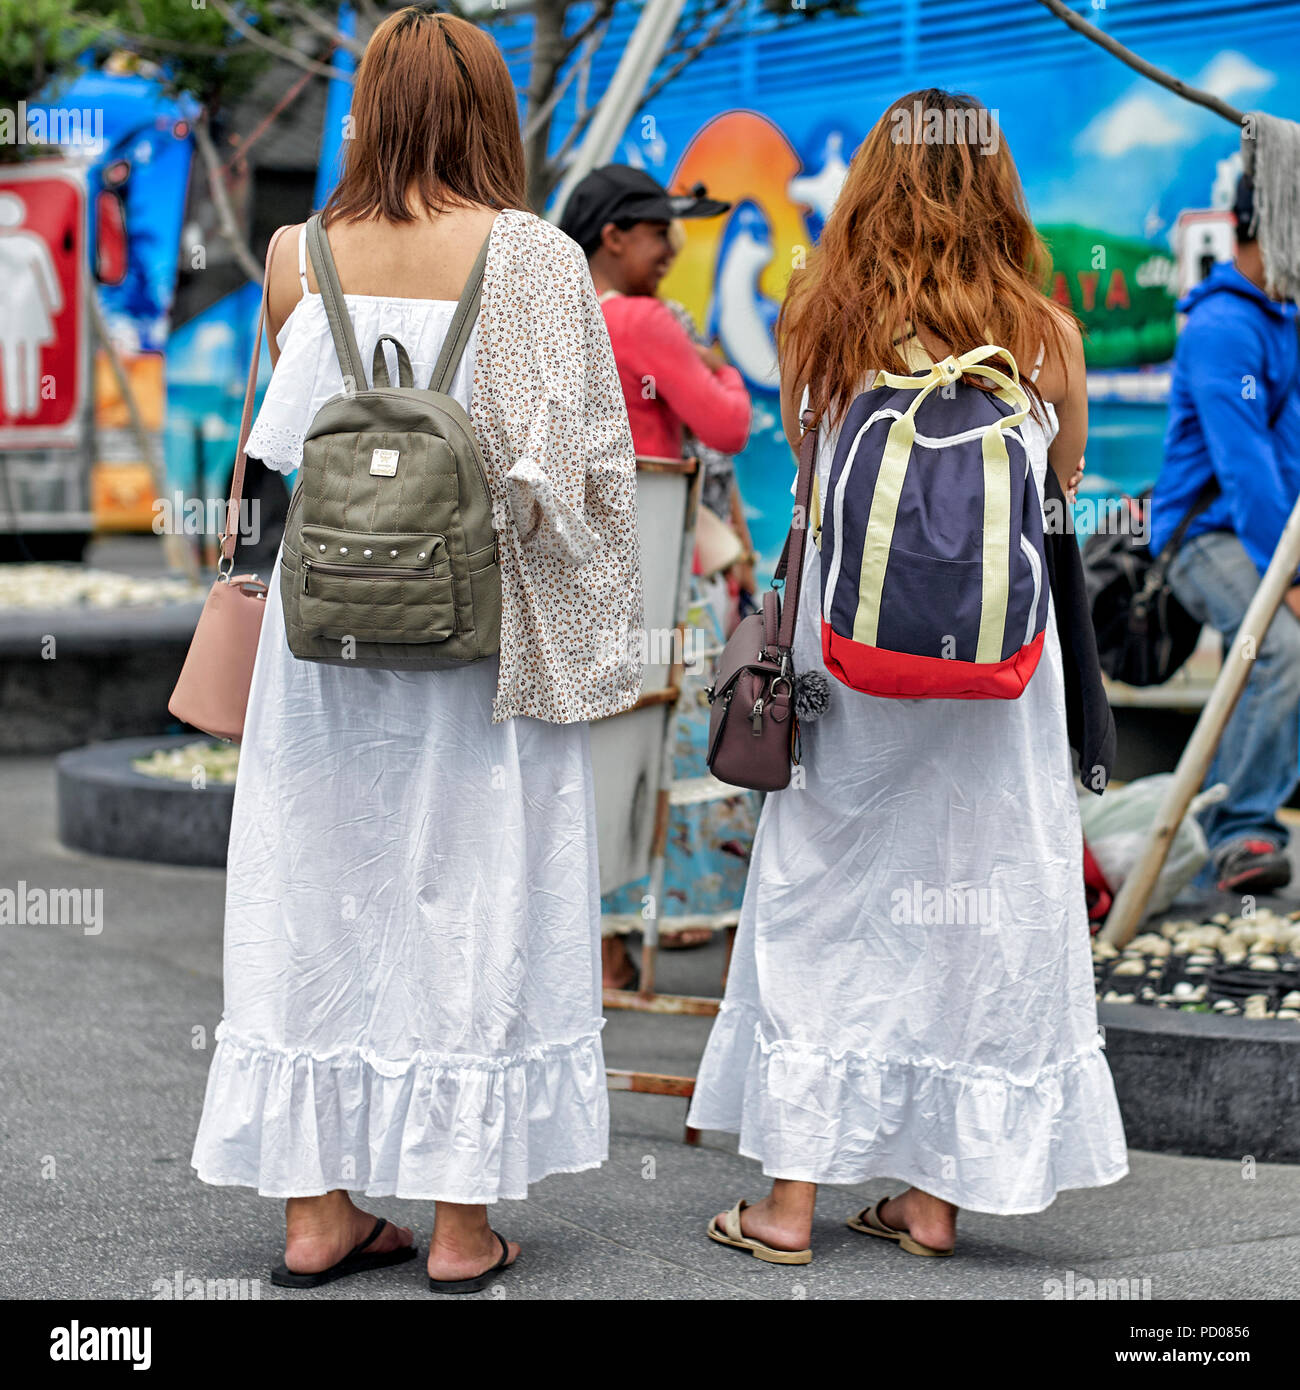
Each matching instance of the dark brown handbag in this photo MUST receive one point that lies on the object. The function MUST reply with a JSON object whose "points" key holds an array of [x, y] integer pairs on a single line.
{"points": [[753, 731]]}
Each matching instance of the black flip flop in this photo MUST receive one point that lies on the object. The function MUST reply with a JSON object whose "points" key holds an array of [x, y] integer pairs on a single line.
{"points": [[479, 1281], [354, 1262]]}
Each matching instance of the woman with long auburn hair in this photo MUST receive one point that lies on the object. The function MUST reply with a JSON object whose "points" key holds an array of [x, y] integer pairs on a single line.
{"points": [[412, 947], [911, 994]]}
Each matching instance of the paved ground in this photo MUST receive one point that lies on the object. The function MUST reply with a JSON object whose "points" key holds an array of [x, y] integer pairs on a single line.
{"points": [[101, 1081]]}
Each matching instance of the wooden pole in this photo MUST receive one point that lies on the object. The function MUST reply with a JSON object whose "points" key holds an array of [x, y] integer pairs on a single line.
{"points": [[1130, 902]]}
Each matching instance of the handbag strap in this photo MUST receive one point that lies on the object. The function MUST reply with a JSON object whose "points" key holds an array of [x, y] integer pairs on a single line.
{"points": [[790, 566], [246, 423], [1209, 491]]}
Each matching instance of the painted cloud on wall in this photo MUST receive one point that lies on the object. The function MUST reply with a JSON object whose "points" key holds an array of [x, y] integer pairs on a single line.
{"points": [[1138, 120]]}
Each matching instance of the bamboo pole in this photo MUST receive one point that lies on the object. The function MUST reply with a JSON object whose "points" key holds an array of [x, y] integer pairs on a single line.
{"points": [[1130, 902]]}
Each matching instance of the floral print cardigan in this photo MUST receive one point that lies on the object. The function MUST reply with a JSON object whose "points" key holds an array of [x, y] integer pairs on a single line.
{"points": [[548, 411], [549, 415]]}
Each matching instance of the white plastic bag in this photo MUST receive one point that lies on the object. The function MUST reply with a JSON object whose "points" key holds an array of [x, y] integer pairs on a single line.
{"points": [[1116, 827]]}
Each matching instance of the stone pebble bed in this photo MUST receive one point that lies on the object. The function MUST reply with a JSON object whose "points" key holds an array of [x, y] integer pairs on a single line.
{"points": [[1246, 966], [217, 762], [52, 586]]}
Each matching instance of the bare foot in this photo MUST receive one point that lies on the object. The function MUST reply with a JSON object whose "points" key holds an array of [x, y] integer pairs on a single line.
{"points": [[618, 970], [928, 1219], [320, 1231], [784, 1223], [465, 1254]]}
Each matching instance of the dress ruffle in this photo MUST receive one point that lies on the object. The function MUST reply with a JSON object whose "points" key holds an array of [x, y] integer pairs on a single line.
{"points": [[983, 1139], [453, 1128]]}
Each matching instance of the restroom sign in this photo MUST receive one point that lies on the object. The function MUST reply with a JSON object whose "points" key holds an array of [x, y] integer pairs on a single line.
{"points": [[42, 321]]}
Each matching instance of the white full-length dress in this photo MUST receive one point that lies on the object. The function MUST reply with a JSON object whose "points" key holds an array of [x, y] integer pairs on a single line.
{"points": [[412, 948], [859, 1036]]}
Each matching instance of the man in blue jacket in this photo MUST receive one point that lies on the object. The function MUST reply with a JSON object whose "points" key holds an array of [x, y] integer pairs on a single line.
{"points": [[1234, 416]]}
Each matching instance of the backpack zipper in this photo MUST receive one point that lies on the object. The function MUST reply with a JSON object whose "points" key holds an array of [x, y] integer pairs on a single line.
{"points": [[361, 572]]}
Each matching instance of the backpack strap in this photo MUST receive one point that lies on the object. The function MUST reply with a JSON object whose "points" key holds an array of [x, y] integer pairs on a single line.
{"points": [[336, 309], [997, 495], [462, 322]]}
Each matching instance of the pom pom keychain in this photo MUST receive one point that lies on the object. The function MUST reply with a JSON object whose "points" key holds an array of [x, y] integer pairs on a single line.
{"points": [[812, 696]]}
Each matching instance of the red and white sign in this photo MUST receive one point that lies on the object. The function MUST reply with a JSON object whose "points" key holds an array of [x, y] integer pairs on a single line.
{"points": [[43, 365], [1202, 237]]}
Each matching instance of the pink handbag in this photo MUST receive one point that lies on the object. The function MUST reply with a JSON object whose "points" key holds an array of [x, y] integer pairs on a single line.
{"points": [[212, 692]]}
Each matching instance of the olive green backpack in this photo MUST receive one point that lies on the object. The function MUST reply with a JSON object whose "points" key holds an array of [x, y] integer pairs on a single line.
{"points": [[390, 557]]}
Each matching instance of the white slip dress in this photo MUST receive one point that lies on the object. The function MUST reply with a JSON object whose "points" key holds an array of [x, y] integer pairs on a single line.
{"points": [[412, 939], [911, 993]]}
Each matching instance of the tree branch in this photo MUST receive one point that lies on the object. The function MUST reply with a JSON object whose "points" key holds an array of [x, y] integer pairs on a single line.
{"points": [[691, 55], [280, 50], [160, 45], [599, 15], [325, 29], [1126, 55], [226, 221], [543, 112]]}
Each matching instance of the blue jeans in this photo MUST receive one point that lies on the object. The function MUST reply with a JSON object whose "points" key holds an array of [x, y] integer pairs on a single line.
{"points": [[1258, 756]]}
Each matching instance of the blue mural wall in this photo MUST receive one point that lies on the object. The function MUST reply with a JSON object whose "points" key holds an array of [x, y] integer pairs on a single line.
{"points": [[770, 120]]}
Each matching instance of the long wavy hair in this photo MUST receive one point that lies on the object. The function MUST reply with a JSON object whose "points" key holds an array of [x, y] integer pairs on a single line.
{"points": [[434, 115], [929, 230]]}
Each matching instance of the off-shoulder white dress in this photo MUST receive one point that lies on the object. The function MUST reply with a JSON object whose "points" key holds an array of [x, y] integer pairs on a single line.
{"points": [[412, 949]]}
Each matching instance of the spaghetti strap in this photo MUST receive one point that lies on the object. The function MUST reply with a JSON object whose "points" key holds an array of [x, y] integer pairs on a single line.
{"points": [[1038, 362], [302, 258]]}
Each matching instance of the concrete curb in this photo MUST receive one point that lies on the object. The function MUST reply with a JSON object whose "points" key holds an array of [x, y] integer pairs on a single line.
{"points": [[111, 675], [106, 807], [1205, 1085]]}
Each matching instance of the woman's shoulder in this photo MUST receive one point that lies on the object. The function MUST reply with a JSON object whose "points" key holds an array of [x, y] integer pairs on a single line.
{"points": [[533, 239], [283, 287], [1062, 358]]}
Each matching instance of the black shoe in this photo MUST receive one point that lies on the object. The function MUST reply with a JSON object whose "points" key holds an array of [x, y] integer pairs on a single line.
{"points": [[1251, 866]]}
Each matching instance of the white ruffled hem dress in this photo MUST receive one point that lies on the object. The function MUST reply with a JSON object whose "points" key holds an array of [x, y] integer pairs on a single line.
{"points": [[862, 1035], [412, 947]]}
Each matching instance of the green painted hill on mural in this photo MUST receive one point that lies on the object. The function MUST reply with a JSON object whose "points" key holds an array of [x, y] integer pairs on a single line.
{"points": [[1121, 289]]}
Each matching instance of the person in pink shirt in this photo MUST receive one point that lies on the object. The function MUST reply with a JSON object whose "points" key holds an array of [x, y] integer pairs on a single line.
{"points": [[623, 220], [620, 217]]}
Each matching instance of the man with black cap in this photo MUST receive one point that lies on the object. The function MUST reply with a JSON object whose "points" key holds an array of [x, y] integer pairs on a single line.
{"points": [[1234, 418], [622, 220]]}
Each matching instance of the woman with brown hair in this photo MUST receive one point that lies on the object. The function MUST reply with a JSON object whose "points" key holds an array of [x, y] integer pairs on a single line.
{"points": [[866, 1033], [412, 949]]}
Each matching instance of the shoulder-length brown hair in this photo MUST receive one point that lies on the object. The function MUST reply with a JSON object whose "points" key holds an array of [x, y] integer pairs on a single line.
{"points": [[433, 116], [929, 229]]}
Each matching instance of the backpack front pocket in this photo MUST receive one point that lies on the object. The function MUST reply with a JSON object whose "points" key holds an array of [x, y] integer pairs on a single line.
{"points": [[375, 588]]}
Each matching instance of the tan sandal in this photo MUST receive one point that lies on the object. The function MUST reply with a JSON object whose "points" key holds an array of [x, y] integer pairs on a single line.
{"points": [[731, 1234], [869, 1222]]}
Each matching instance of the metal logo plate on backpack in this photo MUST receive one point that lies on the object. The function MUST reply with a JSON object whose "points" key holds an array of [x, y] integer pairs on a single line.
{"points": [[383, 463]]}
